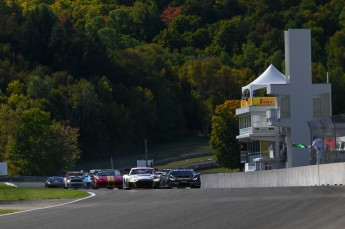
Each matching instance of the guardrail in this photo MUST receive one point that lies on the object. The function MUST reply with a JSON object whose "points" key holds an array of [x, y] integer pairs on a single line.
{"points": [[313, 175], [22, 179]]}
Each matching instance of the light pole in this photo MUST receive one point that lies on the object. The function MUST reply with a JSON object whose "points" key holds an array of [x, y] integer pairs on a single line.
{"points": [[146, 152]]}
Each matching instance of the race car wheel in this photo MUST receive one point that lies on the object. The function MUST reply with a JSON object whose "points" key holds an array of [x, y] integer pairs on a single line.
{"points": [[125, 187], [93, 185]]}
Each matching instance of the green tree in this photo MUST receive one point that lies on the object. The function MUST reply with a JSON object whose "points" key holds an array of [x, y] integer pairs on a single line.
{"points": [[223, 136], [38, 87], [202, 8], [85, 106], [180, 32], [147, 21], [38, 145], [34, 34], [211, 84], [230, 34], [8, 129], [64, 148], [120, 20]]}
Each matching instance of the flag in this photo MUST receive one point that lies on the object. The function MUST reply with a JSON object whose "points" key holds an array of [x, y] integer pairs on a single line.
{"points": [[298, 145]]}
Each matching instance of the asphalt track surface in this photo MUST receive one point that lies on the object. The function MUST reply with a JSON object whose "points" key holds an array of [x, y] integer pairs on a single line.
{"points": [[293, 207]]}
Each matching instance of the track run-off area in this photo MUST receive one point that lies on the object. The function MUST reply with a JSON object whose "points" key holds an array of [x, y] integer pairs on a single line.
{"points": [[286, 207]]}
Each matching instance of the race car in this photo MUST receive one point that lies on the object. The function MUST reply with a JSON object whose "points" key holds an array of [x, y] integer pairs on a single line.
{"points": [[107, 178], [181, 178], [87, 181], [141, 177], [74, 179], [54, 182]]}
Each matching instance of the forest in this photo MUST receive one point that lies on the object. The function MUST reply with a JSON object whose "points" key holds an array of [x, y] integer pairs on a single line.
{"points": [[81, 79]]}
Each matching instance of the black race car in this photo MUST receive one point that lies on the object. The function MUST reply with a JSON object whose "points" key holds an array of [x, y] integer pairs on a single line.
{"points": [[181, 178], [54, 182]]}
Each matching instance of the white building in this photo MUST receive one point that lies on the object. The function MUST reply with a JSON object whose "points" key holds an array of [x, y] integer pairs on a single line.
{"points": [[271, 123]]}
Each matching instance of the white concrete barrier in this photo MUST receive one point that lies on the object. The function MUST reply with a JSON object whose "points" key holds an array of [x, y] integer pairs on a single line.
{"points": [[313, 175]]}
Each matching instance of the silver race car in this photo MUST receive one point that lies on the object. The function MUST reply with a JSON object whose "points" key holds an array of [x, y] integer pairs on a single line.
{"points": [[141, 177]]}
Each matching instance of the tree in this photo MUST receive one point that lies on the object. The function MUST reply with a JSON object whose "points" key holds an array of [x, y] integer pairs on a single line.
{"points": [[202, 8], [180, 32], [64, 148], [35, 33], [230, 34], [223, 136], [170, 13], [211, 84], [37, 145], [9, 119], [146, 19], [85, 108]]}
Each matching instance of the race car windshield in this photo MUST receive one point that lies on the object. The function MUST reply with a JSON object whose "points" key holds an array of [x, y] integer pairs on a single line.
{"points": [[141, 171], [109, 173], [75, 174], [56, 179], [179, 173]]}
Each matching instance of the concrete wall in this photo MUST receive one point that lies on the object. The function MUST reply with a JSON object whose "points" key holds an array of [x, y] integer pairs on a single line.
{"points": [[313, 175]]}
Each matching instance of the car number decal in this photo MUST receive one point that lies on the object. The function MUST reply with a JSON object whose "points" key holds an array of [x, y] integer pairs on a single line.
{"points": [[110, 179]]}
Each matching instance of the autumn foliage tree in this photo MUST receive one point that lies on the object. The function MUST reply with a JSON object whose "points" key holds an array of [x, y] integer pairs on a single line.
{"points": [[170, 13], [223, 136], [36, 145]]}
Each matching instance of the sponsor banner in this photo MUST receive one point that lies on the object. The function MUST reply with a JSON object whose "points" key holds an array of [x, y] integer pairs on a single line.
{"points": [[259, 101], [3, 168]]}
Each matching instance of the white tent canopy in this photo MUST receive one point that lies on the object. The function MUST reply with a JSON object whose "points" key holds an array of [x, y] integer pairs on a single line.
{"points": [[270, 76]]}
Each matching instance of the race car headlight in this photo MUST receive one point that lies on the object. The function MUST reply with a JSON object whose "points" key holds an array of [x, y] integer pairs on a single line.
{"points": [[172, 178], [195, 178], [156, 179], [68, 180], [133, 179]]}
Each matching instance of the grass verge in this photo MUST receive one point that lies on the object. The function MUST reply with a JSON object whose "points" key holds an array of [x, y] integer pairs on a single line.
{"points": [[185, 147], [185, 162], [196, 160], [9, 193], [220, 170], [6, 211]]}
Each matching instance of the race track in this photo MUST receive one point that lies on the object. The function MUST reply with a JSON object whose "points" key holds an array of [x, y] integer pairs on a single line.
{"points": [[294, 207]]}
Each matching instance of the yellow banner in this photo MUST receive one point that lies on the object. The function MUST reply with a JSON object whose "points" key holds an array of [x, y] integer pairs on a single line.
{"points": [[264, 149], [259, 101]]}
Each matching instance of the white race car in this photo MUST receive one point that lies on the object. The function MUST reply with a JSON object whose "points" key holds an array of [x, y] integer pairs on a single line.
{"points": [[74, 179], [141, 177]]}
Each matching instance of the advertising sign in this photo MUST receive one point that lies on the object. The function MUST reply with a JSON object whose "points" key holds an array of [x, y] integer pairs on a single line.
{"points": [[3, 168]]}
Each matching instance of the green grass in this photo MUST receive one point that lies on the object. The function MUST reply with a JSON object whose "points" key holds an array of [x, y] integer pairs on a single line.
{"points": [[3, 185], [189, 148], [185, 162], [6, 211], [219, 170], [183, 148], [10, 193]]}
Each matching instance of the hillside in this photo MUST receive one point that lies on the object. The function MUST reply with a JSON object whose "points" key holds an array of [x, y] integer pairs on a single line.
{"points": [[82, 80]]}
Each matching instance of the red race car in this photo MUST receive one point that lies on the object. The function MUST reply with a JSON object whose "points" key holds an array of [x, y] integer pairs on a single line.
{"points": [[109, 178]]}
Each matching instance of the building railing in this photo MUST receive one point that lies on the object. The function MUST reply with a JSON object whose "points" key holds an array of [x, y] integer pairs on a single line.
{"points": [[253, 130], [251, 166]]}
